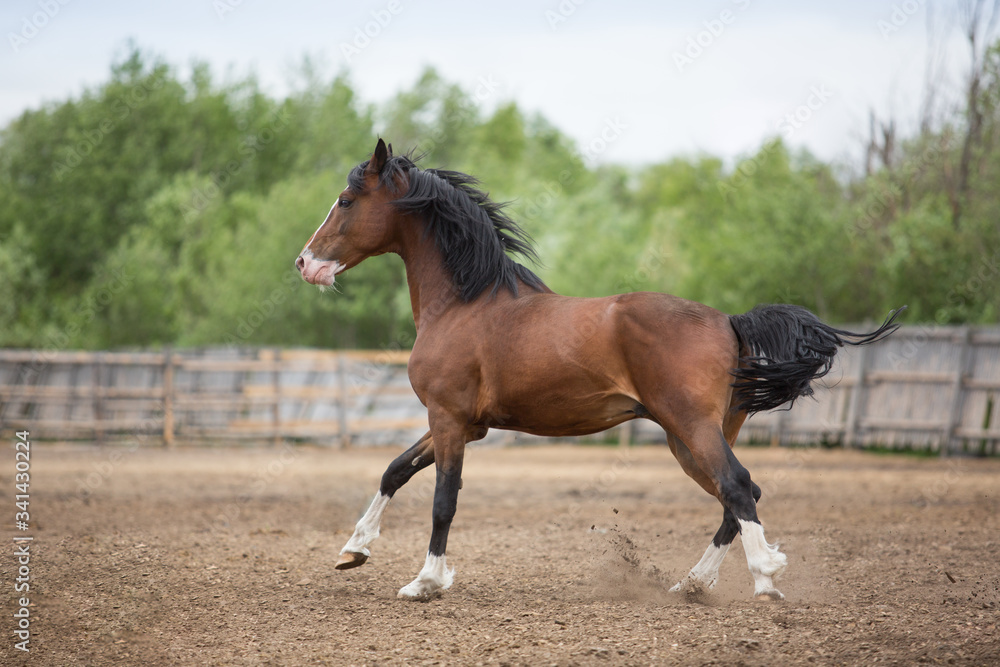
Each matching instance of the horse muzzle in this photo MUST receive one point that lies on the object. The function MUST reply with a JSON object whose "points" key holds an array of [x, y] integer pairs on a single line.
{"points": [[317, 271]]}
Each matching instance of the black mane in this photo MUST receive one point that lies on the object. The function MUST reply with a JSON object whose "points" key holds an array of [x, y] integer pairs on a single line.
{"points": [[471, 231]]}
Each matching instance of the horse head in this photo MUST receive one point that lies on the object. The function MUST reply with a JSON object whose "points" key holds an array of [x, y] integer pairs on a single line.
{"points": [[360, 223]]}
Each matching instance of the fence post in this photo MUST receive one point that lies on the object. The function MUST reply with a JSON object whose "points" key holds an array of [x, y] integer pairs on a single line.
{"points": [[276, 390], [625, 432], [345, 433], [852, 429], [97, 378], [955, 414], [168, 397], [776, 426]]}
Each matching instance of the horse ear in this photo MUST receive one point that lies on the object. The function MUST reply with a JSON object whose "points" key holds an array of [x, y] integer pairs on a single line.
{"points": [[379, 157], [390, 150]]}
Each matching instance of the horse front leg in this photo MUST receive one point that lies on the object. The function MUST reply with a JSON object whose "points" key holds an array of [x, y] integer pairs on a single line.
{"points": [[434, 577], [399, 472]]}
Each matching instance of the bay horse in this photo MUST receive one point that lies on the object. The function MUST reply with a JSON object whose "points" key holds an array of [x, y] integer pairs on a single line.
{"points": [[496, 348]]}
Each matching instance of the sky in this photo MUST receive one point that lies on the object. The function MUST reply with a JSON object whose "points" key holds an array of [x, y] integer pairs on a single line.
{"points": [[631, 82]]}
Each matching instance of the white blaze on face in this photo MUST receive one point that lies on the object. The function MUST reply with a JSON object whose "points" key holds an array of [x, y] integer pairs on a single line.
{"points": [[321, 224]]}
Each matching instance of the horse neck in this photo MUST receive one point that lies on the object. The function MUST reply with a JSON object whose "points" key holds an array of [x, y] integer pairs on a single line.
{"points": [[432, 290]]}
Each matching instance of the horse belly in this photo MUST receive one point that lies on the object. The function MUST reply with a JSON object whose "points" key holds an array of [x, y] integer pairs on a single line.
{"points": [[565, 408]]}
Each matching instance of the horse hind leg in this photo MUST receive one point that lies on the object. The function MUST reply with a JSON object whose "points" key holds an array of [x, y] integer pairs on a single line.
{"points": [[704, 575], [399, 472], [739, 494], [772, 558], [719, 472]]}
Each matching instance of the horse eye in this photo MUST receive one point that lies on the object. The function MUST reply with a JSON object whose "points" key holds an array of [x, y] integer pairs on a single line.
{"points": [[344, 203]]}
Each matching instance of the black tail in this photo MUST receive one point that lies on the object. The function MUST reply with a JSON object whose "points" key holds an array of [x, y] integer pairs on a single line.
{"points": [[786, 348]]}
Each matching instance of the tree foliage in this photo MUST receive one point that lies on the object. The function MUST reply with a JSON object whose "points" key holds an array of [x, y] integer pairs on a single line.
{"points": [[154, 210]]}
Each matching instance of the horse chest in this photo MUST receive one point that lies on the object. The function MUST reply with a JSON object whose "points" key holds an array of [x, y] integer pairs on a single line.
{"points": [[444, 376]]}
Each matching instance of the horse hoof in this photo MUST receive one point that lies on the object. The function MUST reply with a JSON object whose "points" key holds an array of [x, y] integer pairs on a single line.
{"points": [[693, 587], [772, 595], [350, 559], [419, 591], [423, 596]]}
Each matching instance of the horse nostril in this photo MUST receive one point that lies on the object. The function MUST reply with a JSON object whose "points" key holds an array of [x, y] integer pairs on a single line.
{"points": [[300, 263]]}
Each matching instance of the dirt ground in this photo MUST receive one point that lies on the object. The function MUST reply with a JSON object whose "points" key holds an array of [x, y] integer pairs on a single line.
{"points": [[563, 553]]}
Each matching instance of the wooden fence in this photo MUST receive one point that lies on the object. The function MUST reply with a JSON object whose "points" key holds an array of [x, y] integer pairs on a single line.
{"points": [[247, 394], [923, 388]]}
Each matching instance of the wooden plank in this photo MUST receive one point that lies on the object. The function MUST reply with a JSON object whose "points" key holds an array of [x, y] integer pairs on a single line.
{"points": [[981, 383], [85, 427], [403, 424], [312, 392], [50, 394], [306, 354], [332, 426], [820, 429], [986, 337], [904, 424], [976, 434], [228, 365], [202, 402], [391, 357], [79, 357], [837, 383], [909, 377], [922, 333]]}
